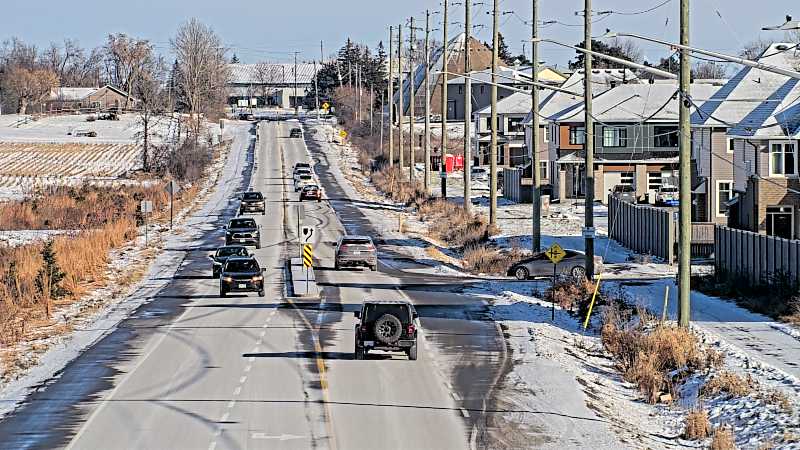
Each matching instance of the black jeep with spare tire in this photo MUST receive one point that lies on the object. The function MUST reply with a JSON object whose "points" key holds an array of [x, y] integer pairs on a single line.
{"points": [[388, 326]]}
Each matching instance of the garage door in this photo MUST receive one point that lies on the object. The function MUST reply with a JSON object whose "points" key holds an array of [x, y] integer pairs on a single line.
{"points": [[611, 179]]}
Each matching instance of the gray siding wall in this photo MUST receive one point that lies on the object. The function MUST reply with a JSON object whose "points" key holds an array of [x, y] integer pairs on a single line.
{"points": [[640, 138], [480, 99]]}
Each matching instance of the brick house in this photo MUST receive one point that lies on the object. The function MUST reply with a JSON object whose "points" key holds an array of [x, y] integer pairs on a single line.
{"points": [[106, 98]]}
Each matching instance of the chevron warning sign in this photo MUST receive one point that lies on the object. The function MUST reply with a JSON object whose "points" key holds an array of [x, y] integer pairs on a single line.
{"points": [[308, 255]]}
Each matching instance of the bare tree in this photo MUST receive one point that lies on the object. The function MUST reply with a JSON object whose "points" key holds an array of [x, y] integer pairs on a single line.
{"points": [[72, 64], [29, 86], [124, 59], [152, 104], [753, 49], [707, 70], [202, 71]]}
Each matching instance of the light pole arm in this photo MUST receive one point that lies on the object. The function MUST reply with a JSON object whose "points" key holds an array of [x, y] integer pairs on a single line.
{"points": [[733, 59], [620, 61]]}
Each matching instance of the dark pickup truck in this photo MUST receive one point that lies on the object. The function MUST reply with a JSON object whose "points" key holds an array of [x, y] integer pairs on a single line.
{"points": [[387, 326], [243, 231], [252, 202]]}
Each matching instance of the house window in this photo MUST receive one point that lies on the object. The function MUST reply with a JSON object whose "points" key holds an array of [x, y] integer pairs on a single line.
{"points": [[731, 145], [626, 178], [543, 170], [780, 221], [782, 159], [577, 135], [724, 195], [665, 136], [614, 137], [546, 133], [654, 181], [515, 124]]}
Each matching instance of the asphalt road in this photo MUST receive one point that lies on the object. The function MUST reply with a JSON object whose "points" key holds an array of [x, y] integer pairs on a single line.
{"points": [[191, 370]]}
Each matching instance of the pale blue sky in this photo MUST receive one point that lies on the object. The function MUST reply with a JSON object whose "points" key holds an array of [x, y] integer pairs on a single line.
{"points": [[268, 30]]}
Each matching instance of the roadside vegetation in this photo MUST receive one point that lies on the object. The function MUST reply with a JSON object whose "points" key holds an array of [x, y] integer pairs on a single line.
{"points": [[778, 298]]}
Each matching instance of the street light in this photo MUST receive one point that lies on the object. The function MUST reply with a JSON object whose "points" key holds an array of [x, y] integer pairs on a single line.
{"points": [[734, 59], [621, 61], [789, 25]]}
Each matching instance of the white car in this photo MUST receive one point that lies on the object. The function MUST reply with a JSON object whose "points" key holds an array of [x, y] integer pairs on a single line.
{"points": [[300, 171], [303, 180], [667, 195], [480, 174]]}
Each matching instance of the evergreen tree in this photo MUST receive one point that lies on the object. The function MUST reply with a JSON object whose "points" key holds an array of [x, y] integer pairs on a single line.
{"points": [[619, 49], [50, 275], [502, 50]]}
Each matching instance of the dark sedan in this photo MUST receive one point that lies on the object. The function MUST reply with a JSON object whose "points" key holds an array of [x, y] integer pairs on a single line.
{"points": [[222, 254], [241, 275]]}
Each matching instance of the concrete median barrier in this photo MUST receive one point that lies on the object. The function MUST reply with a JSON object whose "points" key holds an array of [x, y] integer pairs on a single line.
{"points": [[302, 282]]}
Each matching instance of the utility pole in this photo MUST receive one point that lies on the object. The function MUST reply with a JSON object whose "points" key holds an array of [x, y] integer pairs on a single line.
{"points": [[536, 237], [296, 105], [316, 87], [493, 120], [369, 109], [427, 152], [411, 102], [588, 232], [443, 77], [467, 107], [390, 95], [401, 110], [685, 224]]}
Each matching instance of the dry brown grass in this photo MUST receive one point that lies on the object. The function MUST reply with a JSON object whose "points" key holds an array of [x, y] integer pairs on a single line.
{"points": [[729, 383], [484, 259], [452, 224], [723, 439], [394, 185], [569, 293], [698, 427], [777, 398], [645, 353]]}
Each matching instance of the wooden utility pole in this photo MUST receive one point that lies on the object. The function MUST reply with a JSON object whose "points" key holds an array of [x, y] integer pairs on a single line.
{"points": [[443, 77], [493, 119], [401, 111], [536, 237], [411, 102], [588, 232], [467, 107], [296, 105], [685, 224], [390, 95], [427, 152]]}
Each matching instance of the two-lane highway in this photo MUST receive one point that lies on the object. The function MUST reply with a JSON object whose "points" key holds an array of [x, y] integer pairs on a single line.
{"points": [[191, 370]]}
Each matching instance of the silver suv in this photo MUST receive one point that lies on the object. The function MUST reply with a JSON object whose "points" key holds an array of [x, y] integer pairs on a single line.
{"points": [[352, 251]]}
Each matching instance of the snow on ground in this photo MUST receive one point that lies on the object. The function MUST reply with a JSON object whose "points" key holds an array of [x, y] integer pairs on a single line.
{"points": [[15, 238], [97, 314]]}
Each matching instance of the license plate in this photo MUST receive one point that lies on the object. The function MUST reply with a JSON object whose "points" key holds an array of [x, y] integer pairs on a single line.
{"points": [[242, 286], [242, 240], [356, 253], [369, 343]]}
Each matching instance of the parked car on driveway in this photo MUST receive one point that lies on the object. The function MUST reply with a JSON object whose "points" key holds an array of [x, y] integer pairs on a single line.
{"points": [[253, 202], [624, 193], [241, 275], [353, 251], [573, 264], [387, 326], [667, 196], [243, 231], [311, 192], [219, 257], [479, 174]]}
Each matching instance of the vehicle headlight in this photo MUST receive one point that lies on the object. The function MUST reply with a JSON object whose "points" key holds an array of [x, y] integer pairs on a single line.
{"points": [[258, 278], [227, 279]]}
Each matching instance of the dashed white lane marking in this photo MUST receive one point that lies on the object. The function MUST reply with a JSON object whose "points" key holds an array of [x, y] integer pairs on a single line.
{"points": [[251, 359], [225, 417], [242, 379], [236, 392], [212, 446], [263, 333], [464, 413], [248, 368], [231, 404], [456, 396]]}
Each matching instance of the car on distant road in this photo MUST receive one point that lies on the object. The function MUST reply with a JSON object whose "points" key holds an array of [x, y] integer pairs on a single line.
{"points": [[624, 192], [247, 116], [81, 132], [302, 165], [303, 180], [667, 196], [301, 171], [219, 257], [252, 202], [389, 326], [311, 192], [539, 265], [243, 231], [241, 274], [296, 133], [354, 251]]}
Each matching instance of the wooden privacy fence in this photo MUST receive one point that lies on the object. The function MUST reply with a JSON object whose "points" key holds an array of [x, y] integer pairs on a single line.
{"points": [[755, 259], [643, 229]]}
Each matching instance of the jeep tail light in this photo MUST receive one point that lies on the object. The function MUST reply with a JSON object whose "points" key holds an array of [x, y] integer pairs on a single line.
{"points": [[411, 329], [343, 248], [363, 328]]}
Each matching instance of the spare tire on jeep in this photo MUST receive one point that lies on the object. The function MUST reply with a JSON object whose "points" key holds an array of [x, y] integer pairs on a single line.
{"points": [[388, 329]]}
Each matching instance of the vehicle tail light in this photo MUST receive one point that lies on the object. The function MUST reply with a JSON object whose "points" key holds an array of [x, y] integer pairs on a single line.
{"points": [[411, 329], [344, 248], [363, 328]]}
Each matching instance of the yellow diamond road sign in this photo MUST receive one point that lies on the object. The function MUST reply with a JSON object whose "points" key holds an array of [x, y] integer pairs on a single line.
{"points": [[326, 106], [308, 255], [555, 253], [343, 134]]}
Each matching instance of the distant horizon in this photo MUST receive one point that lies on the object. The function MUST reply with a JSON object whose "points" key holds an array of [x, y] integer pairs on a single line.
{"points": [[286, 28]]}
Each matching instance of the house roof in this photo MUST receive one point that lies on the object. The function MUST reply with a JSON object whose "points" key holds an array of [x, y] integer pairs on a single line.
{"points": [[754, 103], [270, 74], [516, 103], [71, 94], [619, 158], [637, 102]]}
